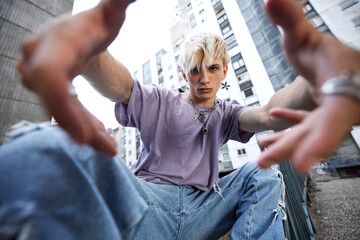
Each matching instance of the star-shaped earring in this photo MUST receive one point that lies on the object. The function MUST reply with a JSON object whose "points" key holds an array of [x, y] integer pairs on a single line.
{"points": [[225, 85]]}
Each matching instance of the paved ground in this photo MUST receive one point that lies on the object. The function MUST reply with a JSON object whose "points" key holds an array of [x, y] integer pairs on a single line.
{"points": [[335, 209]]}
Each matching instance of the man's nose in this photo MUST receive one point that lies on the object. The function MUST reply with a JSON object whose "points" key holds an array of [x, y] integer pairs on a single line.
{"points": [[205, 77]]}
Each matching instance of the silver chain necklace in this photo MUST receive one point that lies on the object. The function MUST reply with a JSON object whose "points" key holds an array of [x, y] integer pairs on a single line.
{"points": [[201, 114]]}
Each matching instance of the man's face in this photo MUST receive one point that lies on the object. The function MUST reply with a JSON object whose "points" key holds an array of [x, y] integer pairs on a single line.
{"points": [[205, 83]]}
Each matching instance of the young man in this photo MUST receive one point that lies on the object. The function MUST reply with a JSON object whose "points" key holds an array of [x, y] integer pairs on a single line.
{"points": [[79, 193], [175, 194]]}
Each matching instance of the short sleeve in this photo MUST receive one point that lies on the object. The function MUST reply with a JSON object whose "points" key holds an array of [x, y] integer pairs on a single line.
{"points": [[230, 125], [142, 111]]}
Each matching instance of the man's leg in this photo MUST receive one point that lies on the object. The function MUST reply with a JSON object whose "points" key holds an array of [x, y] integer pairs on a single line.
{"points": [[250, 204], [52, 188]]}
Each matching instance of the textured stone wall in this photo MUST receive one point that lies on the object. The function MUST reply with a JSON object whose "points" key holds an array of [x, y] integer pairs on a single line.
{"points": [[18, 20]]}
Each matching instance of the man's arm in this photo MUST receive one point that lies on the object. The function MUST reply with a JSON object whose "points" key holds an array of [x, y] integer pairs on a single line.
{"points": [[109, 77], [297, 95]]}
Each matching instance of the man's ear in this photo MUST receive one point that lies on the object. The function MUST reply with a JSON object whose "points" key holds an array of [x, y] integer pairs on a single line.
{"points": [[184, 75], [226, 68]]}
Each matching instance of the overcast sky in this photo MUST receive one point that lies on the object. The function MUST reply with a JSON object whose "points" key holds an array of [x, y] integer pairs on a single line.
{"points": [[145, 30]]}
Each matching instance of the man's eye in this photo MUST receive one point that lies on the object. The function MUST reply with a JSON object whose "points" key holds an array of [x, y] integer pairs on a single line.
{"points": [[212, 68], [194, 70]]}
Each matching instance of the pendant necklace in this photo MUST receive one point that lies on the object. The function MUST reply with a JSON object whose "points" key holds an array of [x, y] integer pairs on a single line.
{"points": [[201, 114]]}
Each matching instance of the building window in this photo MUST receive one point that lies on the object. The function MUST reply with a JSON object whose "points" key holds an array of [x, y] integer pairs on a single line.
{"points": [[241, 151], [177, 44], [248, 92], [192, 20], [307, 8], [158, 57], [243, 77], [226, 29], [356, 21], [170, 67], [225, 156], [348, 3], [316, 21], [224, 147], [254, 104], [129, 153], [161, 81], [147, 73], [245, 85], [222, 19], [214, 2], [234, 51], [238, 64], [129, 142], [189, 6], [227, 165], [171, 76], [130, 164], [231, 41], [201, 12]]}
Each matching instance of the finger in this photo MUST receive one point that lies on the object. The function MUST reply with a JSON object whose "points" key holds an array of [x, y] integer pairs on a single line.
{"points": [[290, 115], [29, 46], [67, 111], [289, 15], [318, 144], [23, 69], [50, 84], [100, 139], [283, 149], [104, 143], [284, 13], [270, 139]]}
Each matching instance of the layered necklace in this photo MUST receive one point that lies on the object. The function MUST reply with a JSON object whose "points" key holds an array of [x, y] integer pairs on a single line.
{"points": [[201, 114]]}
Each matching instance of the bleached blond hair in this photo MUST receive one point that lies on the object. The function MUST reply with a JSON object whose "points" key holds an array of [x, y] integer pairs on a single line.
{"points": [[200, 49]]}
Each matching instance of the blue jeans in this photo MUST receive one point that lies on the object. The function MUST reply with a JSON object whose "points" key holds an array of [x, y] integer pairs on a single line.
{"points": [[53, 188]]}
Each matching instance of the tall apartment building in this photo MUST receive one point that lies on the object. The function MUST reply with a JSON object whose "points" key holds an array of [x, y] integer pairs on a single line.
{"points": [[18, 20], [258, 66], [342, 17]]}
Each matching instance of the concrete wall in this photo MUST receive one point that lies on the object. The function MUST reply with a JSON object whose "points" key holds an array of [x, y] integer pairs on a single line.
{"points": [[18, 20]]}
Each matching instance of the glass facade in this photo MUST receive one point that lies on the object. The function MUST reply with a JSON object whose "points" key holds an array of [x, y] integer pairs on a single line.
{"points": [[147, 73], [267, 41]]}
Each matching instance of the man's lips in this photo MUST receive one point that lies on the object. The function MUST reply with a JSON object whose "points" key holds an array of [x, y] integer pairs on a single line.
{"points": [[205, 89]]}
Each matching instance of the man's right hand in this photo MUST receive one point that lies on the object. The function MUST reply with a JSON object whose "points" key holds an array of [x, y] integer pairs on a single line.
{"points": [[61, 50], [318, 57]]}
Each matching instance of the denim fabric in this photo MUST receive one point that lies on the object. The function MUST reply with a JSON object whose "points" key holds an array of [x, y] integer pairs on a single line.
{"points": [[53, 188]]}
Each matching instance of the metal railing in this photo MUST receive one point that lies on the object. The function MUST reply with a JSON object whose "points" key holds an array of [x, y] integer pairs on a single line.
{"points": [[298, 225]]}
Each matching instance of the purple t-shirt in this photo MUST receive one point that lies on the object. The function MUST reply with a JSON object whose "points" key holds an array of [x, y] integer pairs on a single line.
{"points": [[175, 149]]}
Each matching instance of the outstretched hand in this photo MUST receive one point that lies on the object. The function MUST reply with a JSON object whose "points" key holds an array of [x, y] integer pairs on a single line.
{"points": [[317, 57], [52, 58], [319, 133]]}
